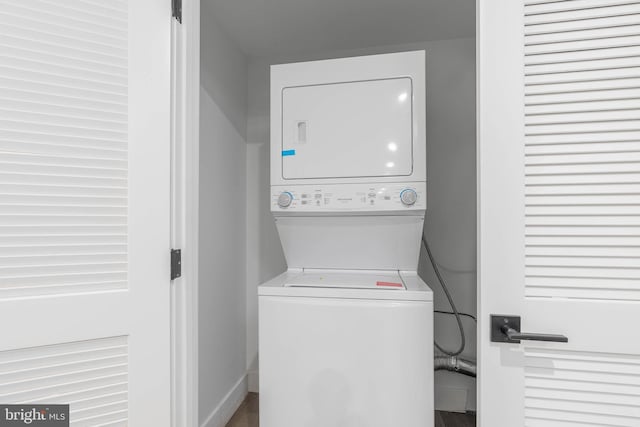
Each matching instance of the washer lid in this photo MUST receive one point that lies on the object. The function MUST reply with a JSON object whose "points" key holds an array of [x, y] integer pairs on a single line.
{"points": [[348, 284], [347, 280]]}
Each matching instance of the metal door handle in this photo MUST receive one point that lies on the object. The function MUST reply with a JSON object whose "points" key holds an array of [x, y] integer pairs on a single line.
{"points": [[514, 335], [507, 329]]}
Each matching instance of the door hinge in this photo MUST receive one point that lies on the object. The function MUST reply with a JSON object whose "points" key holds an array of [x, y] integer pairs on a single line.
{"points": [[176, 263], [176, 10]]}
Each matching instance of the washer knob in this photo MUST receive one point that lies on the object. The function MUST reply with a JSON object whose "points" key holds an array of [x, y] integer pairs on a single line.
{"points": [[285, 199], [408, 196]]}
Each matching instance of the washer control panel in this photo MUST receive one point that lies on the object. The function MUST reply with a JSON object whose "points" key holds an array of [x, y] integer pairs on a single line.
{"points": [[349, 197]]}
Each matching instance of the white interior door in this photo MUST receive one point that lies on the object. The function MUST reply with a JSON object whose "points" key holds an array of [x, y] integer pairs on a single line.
{"points": [[559, 205], [84, 208]]}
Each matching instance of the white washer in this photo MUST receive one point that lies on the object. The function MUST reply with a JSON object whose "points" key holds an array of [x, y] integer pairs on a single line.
{"points": [[346, 334], [346, 348]]}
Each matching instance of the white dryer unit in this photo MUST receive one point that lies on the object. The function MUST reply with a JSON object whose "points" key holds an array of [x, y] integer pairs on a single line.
{"points": [[346, 334], [350, 120]]}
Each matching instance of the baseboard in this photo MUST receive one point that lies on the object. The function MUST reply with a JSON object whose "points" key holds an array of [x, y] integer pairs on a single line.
{"points": [[221, 415], [253, 379], [451, 399]]}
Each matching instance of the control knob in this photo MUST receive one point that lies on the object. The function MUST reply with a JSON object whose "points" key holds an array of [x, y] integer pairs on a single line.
{"points": [[408, 196], [285, 199]]}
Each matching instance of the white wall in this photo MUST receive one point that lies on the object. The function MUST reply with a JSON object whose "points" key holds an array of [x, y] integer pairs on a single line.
{"points": [[222, 257], [451, 186]]}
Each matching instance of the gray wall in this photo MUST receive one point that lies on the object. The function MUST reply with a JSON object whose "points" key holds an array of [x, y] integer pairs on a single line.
{"points": [[222, 258], [451, 187], [223, 70], [450, 223]]}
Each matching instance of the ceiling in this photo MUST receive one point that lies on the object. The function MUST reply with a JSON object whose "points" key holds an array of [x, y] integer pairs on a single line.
{"points": [[281, 27]]}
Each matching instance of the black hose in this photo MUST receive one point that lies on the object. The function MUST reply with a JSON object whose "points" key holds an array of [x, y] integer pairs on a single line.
{"points": [[451, 303], [470, 316]]}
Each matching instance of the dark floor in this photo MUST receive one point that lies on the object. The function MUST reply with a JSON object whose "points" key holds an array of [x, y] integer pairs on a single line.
{"points": [[247, 416], [455, 419], [247, 413]]}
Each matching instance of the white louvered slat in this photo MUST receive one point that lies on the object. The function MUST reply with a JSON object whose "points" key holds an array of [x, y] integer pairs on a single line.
{"points": [[43, 189], [557, 100], [582, 35], [582, 155], [62, 142], [40, 27], [581, 220], [112, 13], [533, 181], [603, 262], [562, 67], [583, 240], [585, 230], [87, 111], [582, 55], [588, 86], [602, 188], [590, 168], [581, 388], [533, 151], [601, 20], [566, 46], [577, 13], [61, 92], [91, 376], [63, 147], [581, 76], [555, 6], [74, 104], [36, 38], [589, 210], [89, 19], [582, 138], [630, 115], [50, 52]]}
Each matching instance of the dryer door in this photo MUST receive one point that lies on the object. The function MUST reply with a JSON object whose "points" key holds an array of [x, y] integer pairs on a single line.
{"points": [[348, 130]]}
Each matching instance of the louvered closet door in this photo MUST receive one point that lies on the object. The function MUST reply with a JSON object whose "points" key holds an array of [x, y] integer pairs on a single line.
{"points": [[559, 227], [84, 208]]}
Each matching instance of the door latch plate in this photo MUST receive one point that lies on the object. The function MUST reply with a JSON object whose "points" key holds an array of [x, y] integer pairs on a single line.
{"points": [[498, 321]]}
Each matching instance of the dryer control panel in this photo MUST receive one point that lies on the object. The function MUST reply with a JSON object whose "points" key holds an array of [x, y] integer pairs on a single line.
{"points": [[349, 197]]}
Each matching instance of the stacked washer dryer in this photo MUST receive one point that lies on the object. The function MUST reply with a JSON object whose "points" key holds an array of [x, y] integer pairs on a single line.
{"points": [[346, 333]]}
